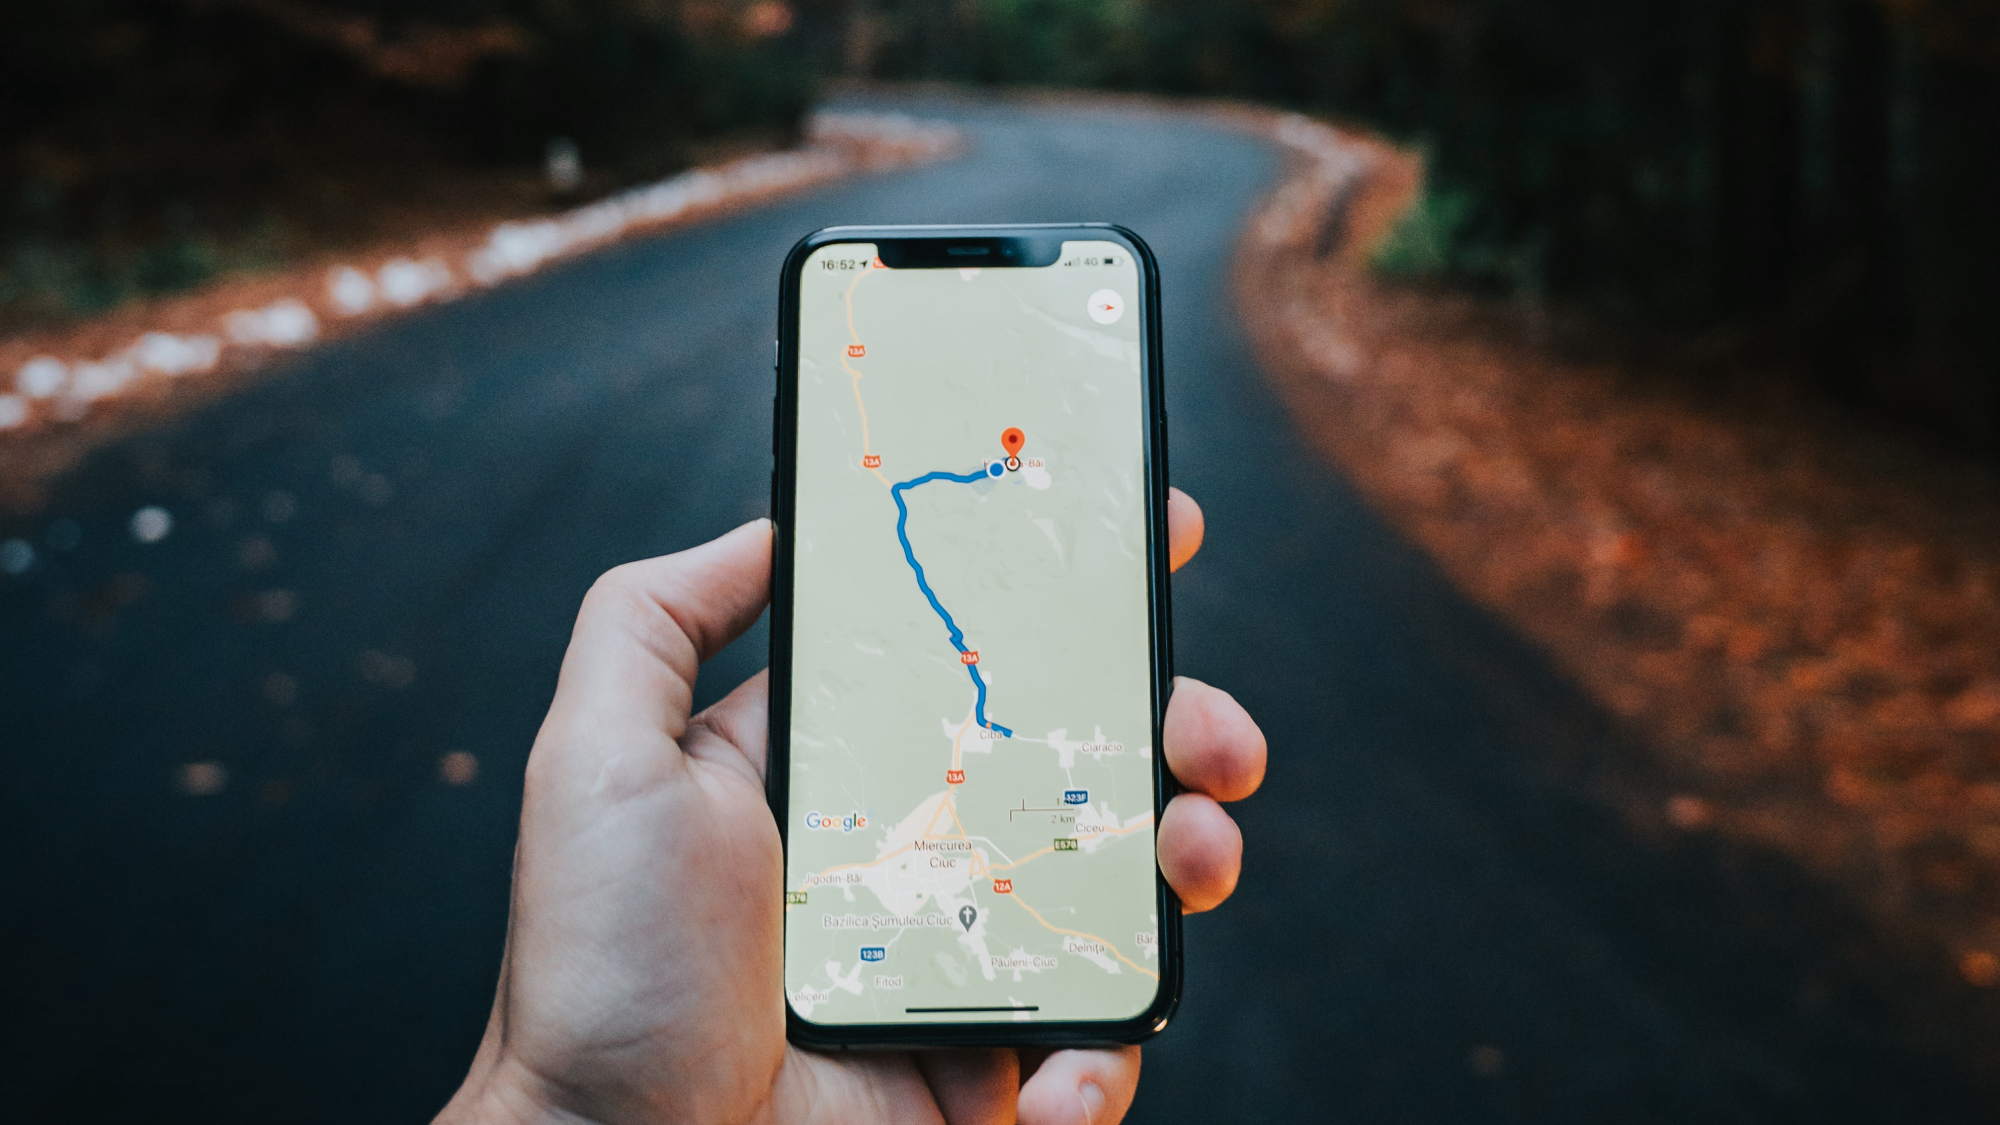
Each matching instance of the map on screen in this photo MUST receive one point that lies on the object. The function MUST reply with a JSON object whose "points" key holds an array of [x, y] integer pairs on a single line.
{"points": [[970, 821]]}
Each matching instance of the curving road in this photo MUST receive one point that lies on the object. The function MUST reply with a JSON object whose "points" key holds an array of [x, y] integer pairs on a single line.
{"points": [[374, 561]]}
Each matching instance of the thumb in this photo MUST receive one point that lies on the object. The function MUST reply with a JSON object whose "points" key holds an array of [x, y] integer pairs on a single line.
{"points": [[646, 626]]}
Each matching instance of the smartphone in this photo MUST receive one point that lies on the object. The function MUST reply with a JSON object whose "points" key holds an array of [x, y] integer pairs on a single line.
{"points": [[970, 638]]}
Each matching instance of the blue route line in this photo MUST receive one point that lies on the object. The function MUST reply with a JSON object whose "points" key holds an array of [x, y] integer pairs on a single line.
{"points": [[957, 636]]}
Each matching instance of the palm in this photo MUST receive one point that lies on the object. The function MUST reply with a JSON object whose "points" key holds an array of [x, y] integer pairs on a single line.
{"points": [[672, 949]]}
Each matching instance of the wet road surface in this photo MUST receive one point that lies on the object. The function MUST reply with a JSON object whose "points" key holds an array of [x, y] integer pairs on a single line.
{"points": [[373, 562]]}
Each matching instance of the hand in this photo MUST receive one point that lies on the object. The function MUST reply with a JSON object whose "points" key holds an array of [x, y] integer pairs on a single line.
{"points": [[642, 980]]}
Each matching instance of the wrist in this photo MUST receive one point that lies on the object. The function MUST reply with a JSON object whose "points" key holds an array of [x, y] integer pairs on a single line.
{"points": [[504, 1094]]}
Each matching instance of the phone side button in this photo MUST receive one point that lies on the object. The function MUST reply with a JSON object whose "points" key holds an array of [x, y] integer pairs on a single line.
{"points": [[774, 425]]}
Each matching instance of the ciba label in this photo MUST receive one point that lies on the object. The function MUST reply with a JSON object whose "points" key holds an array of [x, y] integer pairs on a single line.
{"points": [[820, 822]]}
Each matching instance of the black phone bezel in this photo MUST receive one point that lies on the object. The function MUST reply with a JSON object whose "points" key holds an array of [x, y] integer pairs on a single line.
{"points": [[934, 240]]}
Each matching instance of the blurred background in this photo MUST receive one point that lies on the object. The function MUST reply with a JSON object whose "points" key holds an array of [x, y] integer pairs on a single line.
{"points": [[1805, 178], [1599, 432]]}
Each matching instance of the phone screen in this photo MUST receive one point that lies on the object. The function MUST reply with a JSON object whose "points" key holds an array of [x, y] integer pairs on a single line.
{"points": [[970, 813]]}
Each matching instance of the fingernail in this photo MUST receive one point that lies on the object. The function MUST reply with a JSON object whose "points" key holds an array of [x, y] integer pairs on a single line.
{"points": [[1092, 1099]]}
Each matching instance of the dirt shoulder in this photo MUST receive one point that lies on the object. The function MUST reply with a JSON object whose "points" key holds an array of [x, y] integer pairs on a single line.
{"points": [[1800, 616]]}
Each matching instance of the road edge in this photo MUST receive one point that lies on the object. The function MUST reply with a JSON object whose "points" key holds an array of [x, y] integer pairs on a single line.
{"points": [[97, 383]]}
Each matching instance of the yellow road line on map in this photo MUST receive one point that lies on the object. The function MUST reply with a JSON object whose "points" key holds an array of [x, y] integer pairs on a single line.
{"points": [[1081, 934], [867, 450], [950, 804], [957, 756], [1050, 850], [985, 870], [881, 859], [978, 862], [855, 866], [926, 835]]}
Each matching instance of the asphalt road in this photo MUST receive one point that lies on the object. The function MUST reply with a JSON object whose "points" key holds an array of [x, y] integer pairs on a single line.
{"points": [[374, 561]]}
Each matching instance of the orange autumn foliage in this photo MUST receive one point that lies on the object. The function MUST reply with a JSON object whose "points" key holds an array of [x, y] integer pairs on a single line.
{"points": [[1801, 617]]}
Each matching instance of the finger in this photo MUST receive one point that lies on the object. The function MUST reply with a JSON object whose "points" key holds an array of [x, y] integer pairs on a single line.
{"points": [[731, 732], [1081, 1088], [1211, 743], [973, 1087], [1184, 527], [646, 626], [1200, 850]]}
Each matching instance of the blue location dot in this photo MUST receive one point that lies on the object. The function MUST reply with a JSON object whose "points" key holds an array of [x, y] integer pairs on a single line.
{"points": [[995, 469]]}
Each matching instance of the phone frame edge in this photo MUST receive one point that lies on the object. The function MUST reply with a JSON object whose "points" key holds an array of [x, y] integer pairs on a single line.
{"points": [[1166, 1002]]}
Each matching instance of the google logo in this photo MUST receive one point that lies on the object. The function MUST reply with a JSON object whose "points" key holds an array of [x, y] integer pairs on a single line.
{"points": [[848, 823]]}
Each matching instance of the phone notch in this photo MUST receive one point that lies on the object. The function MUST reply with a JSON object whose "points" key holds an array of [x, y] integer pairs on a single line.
{"points": [[1028, 251]]}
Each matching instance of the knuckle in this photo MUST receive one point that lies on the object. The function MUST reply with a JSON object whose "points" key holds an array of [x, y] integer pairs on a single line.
{"points": [[608, 594], [620, 582]]}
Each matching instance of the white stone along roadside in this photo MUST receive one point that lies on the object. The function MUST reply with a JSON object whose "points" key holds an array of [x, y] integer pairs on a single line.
{"points": [[50, 390]]}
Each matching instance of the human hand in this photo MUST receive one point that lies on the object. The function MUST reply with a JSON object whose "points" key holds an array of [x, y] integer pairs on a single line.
{"points": [[643, 973]]}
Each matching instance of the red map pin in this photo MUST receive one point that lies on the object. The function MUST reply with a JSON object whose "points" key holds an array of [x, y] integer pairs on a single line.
{"points": [[1012, 439]]}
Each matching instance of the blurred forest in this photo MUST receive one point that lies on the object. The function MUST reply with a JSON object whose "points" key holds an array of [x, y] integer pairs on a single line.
{"points": [[146, 145], [1799, 183], [1806, 184]]}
